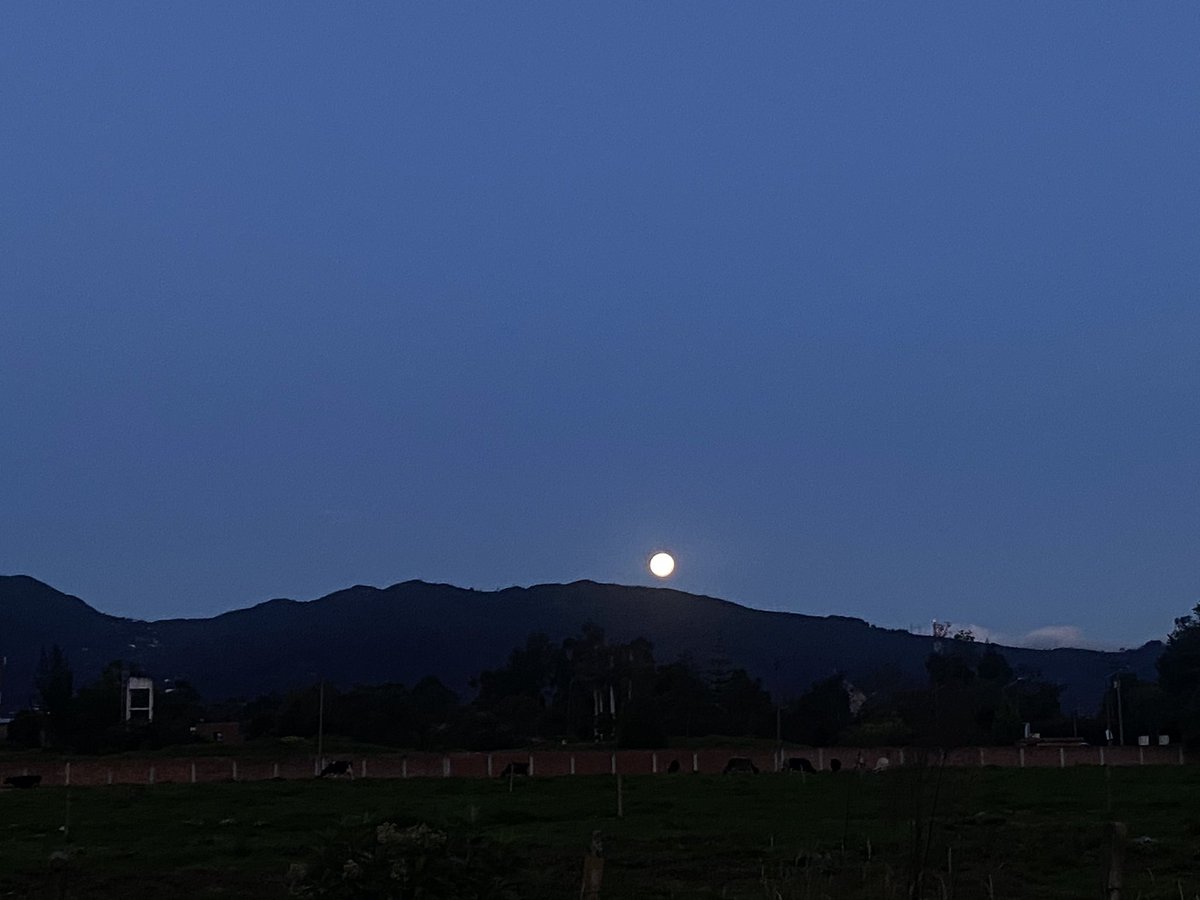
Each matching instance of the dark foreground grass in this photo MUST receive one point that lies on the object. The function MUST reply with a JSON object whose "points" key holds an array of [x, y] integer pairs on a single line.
{"points": [[953, 834]]}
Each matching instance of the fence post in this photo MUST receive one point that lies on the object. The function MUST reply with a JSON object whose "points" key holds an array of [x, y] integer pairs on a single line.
{"points": [[614, 764], [150, 779], [1021, 753], [572, 763], [110, 776], [1181, 754], [593, 870], [695, 762], [404, 767], [489, 765], [193, 771], [1141, 756], [1062, 757], [1118, 833], [446, 766], [275, 770], [531, 764], [67, 775], [981, 763], [362, 769], [234, 768], [820, 759], [1101, 756], [654, 763]]}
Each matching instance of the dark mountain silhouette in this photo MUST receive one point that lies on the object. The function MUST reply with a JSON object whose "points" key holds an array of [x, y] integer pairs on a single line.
{"points": [[365, 635]]}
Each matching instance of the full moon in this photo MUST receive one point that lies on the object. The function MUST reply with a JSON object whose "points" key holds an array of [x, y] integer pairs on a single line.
{"points": [[662, 564]]}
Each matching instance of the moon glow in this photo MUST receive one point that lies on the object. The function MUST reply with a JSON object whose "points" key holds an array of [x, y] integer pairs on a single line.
{"points": [[662, 564]]}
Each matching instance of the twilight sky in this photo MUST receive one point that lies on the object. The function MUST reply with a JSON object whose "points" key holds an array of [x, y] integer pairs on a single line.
{"points": [[888, 311]]}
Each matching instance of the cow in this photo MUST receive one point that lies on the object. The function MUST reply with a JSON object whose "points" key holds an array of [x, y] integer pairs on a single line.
{"points": [[881, 764], [673, 767], [800, 764], [515, 768], [338, 767], [835, 765], [739, 765], [23, 781]]}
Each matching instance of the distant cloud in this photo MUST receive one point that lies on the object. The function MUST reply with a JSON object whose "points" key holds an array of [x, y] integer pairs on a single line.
{"points": [[1050, 636], [1045, 638]]}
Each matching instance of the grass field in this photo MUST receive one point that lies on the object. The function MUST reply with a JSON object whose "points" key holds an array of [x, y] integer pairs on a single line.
{"points": [[1002, 833]]}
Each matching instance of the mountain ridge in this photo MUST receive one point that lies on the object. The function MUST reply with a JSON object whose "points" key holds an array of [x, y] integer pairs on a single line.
{"points": [[365, 634]]}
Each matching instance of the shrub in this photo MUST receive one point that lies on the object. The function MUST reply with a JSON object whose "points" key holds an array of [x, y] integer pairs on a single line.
{"points": [[384, 860]]}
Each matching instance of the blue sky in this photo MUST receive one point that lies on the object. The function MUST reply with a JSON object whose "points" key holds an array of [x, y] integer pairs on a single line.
{"points": [[878, 311]]}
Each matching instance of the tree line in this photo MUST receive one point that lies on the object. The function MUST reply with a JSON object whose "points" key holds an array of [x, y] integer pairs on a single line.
{"points": [[590, 689]]}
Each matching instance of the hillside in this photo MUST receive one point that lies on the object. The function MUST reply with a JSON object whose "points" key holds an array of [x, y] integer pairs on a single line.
{"points": [[409, 630]]}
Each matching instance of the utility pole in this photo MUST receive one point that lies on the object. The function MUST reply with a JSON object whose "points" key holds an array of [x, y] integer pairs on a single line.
{"points": [[778, 724], [1120, 712], [321, 726]]}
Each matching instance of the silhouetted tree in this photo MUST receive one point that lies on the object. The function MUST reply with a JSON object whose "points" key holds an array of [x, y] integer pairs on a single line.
{"points": [[55, 685], [640, 724], [687, 703], [25, 730], [745, 707], [993, 666], [177, 707], [819, 715], [1179, 675], [532, 671], [98, 713]]}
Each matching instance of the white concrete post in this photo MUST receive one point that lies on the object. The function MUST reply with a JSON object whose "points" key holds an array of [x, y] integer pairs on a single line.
{"points": [[110, 776], [614, 764], [1141, 756], [67, 775], [404, 768], [654, 763], [1021, 751], [362, 769], [1062, 757], [695, 762], [572, 763], [820, 759], [233, 768], [489, 767], [275, 770], [981, 762], [531, 765], [150, 778], [193, 773], [445, 766]]}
